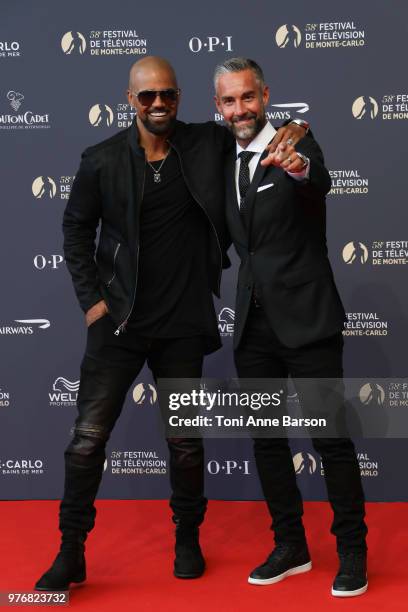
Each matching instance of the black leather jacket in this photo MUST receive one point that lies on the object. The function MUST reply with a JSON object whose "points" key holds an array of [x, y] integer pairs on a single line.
{"points": [[108, 190]]}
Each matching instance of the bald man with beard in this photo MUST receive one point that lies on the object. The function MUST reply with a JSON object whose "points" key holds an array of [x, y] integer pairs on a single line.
{"points": [[157, 191]]}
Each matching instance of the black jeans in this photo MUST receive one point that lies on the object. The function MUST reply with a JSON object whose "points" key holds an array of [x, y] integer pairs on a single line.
{"points": [[261, 355], [110, 365]]}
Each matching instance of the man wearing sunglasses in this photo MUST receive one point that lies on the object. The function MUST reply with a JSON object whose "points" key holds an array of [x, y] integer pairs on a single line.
{"points": [[157, 191]]}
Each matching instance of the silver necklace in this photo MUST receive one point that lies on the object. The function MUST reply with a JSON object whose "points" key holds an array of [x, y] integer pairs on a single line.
{"points": [[156, 171]]}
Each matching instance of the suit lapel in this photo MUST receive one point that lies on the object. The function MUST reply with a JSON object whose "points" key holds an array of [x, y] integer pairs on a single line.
{"points": [[253, 188]]}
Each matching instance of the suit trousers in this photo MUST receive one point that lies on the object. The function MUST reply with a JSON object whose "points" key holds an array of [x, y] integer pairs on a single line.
{"points": [[261, 355], [109, 367]]}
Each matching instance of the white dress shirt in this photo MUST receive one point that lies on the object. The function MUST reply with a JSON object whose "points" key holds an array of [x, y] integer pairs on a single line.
{"points": [[258, 145]]}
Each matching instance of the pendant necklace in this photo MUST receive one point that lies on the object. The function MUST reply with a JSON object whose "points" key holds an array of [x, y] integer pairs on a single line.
{"points": [[156, 171]]}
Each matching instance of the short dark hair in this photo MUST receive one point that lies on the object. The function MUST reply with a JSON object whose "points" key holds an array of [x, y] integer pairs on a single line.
{"points": [[237, 64]]}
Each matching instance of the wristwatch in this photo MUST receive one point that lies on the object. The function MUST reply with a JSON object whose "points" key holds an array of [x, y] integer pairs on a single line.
{"points": [[304, 124]]}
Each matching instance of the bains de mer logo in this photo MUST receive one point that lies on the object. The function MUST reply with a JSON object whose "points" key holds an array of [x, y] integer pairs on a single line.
{"points": [[24, 327]]}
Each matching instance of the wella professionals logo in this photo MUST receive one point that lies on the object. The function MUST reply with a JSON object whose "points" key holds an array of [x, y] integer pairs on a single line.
{"points": [[64, 392], [226, 318]]}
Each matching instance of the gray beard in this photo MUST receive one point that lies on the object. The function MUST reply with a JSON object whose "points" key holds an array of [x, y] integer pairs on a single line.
{"points": [[249, 131]]}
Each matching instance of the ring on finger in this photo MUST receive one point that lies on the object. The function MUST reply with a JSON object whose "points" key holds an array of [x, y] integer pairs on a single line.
{"points": [[289, 141]]}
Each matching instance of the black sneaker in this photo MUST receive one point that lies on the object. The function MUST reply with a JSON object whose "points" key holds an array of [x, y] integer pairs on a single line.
{"points": [[285, 560], [351, 579]]}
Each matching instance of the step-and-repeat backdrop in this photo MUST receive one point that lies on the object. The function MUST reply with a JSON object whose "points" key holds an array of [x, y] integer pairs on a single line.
{"points": [[64, 69]]}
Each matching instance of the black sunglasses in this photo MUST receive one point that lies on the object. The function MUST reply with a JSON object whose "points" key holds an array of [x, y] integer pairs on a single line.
{"points": [[148, 96]]}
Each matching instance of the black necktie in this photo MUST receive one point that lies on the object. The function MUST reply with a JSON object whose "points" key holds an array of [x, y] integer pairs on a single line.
{"points": [[243, 179]]}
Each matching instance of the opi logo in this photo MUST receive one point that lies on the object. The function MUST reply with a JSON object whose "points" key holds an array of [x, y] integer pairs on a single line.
{"points": [[228, 467], [52, 261], [210, 44]]}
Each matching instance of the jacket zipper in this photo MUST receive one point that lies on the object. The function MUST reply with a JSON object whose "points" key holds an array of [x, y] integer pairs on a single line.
{"points": [[114, 262], [205, 212], [122, 326]]}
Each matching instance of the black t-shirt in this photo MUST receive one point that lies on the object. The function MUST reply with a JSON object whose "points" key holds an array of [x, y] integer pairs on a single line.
{"points": [[173, 294]]}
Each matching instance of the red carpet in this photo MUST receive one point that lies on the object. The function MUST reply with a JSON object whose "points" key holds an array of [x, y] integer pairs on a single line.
{"points": [[130, 558]]}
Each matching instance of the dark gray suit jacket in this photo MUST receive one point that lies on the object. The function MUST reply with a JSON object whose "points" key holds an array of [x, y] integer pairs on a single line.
{"points": [[281, 241]]}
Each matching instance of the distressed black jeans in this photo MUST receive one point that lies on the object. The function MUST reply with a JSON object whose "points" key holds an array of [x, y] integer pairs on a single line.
{"points": [[110, 365]]}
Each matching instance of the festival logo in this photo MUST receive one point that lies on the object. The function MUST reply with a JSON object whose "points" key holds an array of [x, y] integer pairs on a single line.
{"points": [[44, 186], [101, 115], [144, 394], [355, 252], [324, 35], [304, 463], [345, 182], [365, 324], [365, 107], [137, 463], [73, 43], [103, 43], [288, 35], [372, 393]]}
